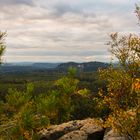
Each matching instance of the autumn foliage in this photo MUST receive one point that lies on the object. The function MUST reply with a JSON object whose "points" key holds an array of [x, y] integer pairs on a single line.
{"points": [[122, 96]]}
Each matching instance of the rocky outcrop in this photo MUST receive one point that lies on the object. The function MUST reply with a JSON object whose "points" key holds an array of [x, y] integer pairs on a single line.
{"points": [[111, 135], [74, 135], [87, 129], [74, 130]]}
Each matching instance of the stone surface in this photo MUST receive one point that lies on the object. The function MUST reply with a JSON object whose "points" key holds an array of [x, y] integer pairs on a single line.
{"points": [[74, 135], [87, 129], [74, 130], [111, 135]]}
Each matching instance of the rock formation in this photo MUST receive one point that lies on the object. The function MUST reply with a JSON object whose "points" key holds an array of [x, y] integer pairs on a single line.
{"points": [[87, 129]]}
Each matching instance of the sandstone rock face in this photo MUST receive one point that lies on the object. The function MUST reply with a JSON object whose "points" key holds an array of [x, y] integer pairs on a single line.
{"points": [[74, 135], [111, 135], [87, 129], [74, 130]]}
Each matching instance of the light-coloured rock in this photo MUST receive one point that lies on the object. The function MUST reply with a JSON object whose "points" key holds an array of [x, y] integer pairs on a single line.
{"points": [[111, 135], [91, 127], [75, 135], [87, 129], [74, 130]]}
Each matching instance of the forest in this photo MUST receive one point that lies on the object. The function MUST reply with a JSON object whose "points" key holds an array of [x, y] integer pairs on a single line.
{"points": [[33, 100]]}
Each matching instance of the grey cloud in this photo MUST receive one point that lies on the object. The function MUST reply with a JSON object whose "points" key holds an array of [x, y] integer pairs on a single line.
{"points": [[17, 47], [64, 13], [61, 8], [14, 2], [58, 53], [67, 30]]}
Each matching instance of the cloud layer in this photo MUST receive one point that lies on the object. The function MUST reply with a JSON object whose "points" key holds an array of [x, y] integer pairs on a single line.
{"points": [[60, 30]]}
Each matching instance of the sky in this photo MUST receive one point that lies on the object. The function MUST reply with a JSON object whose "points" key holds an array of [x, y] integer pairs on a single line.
{"points": [[64, 30]]}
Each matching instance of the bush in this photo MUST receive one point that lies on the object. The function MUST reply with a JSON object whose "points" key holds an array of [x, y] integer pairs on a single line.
{"points": [[122, 94]]}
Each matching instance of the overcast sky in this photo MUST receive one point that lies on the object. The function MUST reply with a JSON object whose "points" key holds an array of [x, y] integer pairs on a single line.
{"points": [[63, 30]]}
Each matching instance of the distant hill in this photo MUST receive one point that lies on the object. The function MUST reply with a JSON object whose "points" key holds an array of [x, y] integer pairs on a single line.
{"points": [[42, 65], [85, 67], [61, 67], [46, 65]]}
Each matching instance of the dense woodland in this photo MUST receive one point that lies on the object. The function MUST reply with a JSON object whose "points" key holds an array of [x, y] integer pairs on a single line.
{"points": [[43, 77], [31, 101]]}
